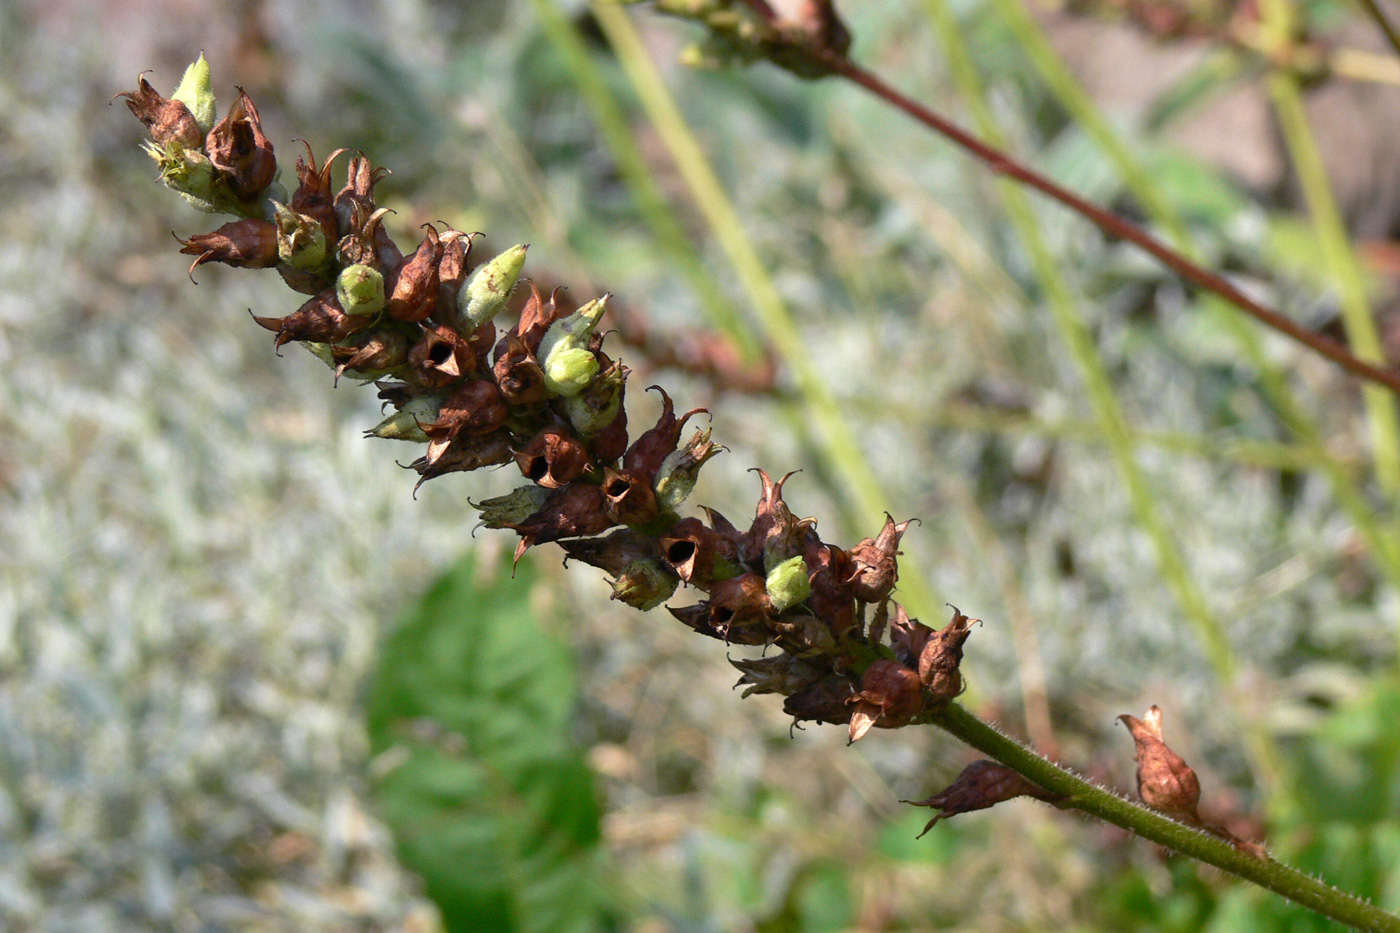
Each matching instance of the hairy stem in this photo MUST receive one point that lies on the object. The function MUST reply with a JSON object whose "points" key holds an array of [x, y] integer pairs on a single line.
{"points": [[1108, 806]]}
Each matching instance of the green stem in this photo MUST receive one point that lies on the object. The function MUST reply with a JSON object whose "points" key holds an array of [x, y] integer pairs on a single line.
{"points": [[1109, 806]]}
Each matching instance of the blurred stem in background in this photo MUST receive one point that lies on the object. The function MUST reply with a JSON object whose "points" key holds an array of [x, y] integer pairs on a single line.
{"points": [[1384, 546], [1340, 259]]}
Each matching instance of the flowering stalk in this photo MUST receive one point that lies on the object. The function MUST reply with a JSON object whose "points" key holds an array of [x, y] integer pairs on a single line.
{"points": [[542, 394]]}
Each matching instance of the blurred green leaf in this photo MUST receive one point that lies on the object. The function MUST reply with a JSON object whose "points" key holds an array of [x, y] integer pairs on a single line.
{"points": [[488, 799]]}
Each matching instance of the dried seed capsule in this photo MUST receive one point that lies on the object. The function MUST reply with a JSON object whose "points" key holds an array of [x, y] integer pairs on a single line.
{"points": [[981, 784], [1165, 781], [248, 244], [486, 293], [241, 152], [890, 696]]}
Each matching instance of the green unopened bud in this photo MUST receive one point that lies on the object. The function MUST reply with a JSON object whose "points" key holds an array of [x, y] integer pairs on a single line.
{"points": [[788, 583], [568, 365], [512, 508], [678, 472], [486, 293], [301, 241], [645, 584], [197, 93], [360, 290], [406, 424], [593, 410]]}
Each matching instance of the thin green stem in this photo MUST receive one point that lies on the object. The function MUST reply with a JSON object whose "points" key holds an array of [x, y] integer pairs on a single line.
{"points": [[1337, 254], [1113, 808], [617, 135], [839, 445]]}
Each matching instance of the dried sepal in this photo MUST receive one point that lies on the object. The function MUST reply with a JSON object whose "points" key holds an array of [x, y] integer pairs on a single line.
{"points": [[465, 452], [941, 656], [574, 511], [1164, 781], [518, 373], [373, 354], [440, 357], [981, 784], [320, 320], [629, 497], [647, 453], [699, 555], [313, 198]]}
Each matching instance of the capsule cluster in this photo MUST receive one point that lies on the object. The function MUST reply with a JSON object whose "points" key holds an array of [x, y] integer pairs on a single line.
{"points": [[544, 395]]}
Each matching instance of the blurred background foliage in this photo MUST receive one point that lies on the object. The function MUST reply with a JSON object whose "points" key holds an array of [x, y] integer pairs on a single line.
{"points": [[209, 719]]}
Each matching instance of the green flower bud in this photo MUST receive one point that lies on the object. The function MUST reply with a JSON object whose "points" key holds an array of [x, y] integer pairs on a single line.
{"points": [[196, 92], [593, 410], [568, 365], [512, 508], [486, 293], [645, 584], [678, 472], [360, 290], [406, 424], [788, 583], [301, 241]]}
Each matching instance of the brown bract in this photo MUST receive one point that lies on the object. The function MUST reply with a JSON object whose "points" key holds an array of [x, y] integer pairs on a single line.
{"points": [[824, 700], [694, 552], [630, 498], [518, 373], [313, 195], [440, 357], [656, 444], [941, 656], [873, 561], [573, 511], [379, 350], [981, 784]]}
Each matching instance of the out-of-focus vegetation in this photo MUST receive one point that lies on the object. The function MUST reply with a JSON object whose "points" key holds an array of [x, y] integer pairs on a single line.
{"points": [[202, 559]]}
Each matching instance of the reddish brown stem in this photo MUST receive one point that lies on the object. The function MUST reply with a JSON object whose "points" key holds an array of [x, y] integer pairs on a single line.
{"points": [[1116, 226]]}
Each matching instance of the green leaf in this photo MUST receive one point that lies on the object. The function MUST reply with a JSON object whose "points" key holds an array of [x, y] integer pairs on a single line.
{"points": [[488, 799]]}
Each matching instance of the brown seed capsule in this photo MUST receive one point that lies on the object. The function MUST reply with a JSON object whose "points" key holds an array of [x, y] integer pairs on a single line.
{"points": [[465, 452], [805, 636], [475, 408], [379, 351], [553, 458], [697, 554], [452, 272], [358, 193], [319, 320], [874, 564], [780, 673], [609, 444], [941, 655], [573, 511], [629, 497], [824, 700], [739, 602], [169, 122], [440, 357], [776, 534], [518, 372], [250, 243], [890, 696], [908, 636], [1164, 781], [981, 784], [413, 285], [830, 599], [240, 152], [612, 552]]}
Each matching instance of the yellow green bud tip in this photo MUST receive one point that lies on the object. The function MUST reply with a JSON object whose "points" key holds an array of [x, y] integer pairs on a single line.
{"points": [[196, 92], [788, 583], [360, 290], [486, 293]]}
